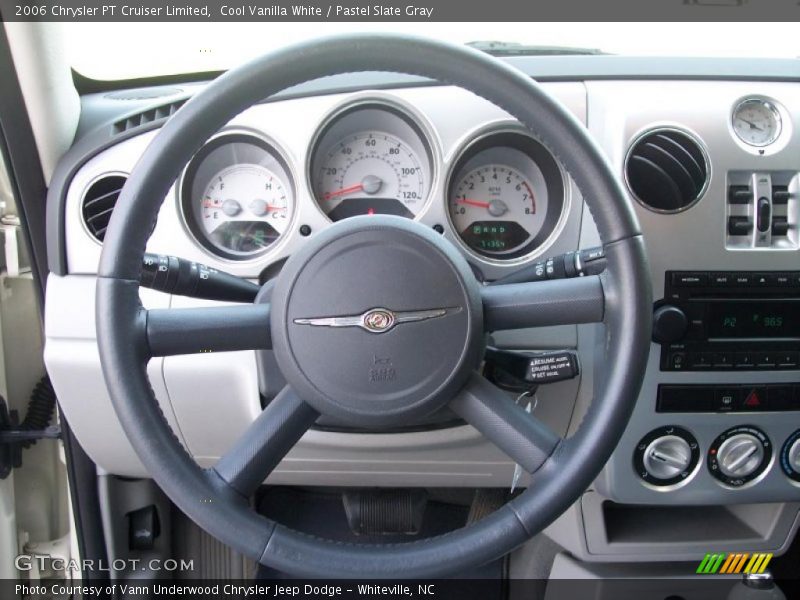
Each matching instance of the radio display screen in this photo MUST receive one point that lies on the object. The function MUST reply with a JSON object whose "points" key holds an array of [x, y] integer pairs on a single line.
{"points": [[760, 319]]}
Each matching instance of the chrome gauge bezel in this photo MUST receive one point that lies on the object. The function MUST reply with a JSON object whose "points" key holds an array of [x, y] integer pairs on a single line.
{"points": [[773, 109], [184, 190], [420, 126], [556, 179]]}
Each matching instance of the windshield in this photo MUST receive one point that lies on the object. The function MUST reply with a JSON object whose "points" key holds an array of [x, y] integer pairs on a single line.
{"points": [[110, 51]]}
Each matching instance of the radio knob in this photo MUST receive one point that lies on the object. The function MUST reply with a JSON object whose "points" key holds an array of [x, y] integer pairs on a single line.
{"points": [[667, 457], [740, 455], [669, 324]]}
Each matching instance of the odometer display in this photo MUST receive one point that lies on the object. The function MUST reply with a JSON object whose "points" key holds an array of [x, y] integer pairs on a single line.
{"points": [[495, 236]]}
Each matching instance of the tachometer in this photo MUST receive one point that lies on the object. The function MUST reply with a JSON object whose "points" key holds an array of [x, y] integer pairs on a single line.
{"points": [[506, 196], [237, 196], [494, 209]]}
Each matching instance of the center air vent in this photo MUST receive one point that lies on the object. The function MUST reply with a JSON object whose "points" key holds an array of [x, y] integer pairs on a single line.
{"points": [[666, 170], [98, 203]]}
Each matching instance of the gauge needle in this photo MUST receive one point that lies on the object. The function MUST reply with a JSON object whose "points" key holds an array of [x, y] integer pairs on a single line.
{"points": [[752, 125], [348, 190], [477, 203]]}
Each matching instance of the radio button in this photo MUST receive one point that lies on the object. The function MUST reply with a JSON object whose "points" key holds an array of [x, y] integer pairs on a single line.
{"points": [[782, 279], [788, 360], [722, 360], [700, 360], [744, 360], [762, 279], [766, 360], [742, 280], [677, 361], [689, 279], [720, 279]]}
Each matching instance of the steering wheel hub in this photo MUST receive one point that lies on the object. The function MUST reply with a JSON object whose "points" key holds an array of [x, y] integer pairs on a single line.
{"points": [[377, 320]]}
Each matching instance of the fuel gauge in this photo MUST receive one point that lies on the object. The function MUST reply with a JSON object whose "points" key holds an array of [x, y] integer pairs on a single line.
{"points": [[756, 122]]}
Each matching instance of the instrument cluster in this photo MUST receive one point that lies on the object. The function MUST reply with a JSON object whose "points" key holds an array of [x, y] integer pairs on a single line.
{"points": [[504, 192]]}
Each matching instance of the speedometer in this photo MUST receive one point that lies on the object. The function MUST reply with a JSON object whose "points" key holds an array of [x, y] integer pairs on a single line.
{"points": [[371, 158], [370, 172]]}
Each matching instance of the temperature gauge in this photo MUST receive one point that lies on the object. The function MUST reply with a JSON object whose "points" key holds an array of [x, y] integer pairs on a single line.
{"points": [[237, 196]]}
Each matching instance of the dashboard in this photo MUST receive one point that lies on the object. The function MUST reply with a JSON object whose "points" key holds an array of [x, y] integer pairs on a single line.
{"points": [[713, 165]]}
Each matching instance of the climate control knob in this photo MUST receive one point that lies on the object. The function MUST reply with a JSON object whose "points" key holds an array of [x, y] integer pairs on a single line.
{"points": [[739, 455], [666, 456], [790, 457], [669, 324]]}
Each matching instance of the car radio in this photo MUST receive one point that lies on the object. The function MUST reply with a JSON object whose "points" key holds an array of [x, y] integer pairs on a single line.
{"points": [[728, 321]]}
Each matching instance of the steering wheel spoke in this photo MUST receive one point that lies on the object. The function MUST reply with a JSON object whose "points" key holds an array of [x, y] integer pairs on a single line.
{"points": [[544, 303], [523, 437], [171, 331], [277, 429]]}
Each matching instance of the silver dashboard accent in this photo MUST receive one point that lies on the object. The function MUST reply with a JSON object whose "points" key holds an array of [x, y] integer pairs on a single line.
{"points": [[378, 320]]}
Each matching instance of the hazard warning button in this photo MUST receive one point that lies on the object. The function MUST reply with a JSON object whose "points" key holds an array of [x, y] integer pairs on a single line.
{"points": [[754, 398]]}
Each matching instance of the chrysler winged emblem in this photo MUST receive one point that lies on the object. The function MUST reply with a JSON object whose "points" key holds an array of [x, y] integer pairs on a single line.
{"points": [[378, 320]]}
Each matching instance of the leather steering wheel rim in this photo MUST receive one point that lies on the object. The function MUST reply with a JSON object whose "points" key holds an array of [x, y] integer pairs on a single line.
{"points": [[559, 478]]}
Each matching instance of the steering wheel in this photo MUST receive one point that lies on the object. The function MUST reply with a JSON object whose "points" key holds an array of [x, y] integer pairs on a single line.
{"points": [[366, 291]]}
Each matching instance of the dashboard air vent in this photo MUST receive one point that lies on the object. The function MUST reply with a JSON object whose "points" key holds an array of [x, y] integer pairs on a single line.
{"points": [[98, 203], [148, 116], [666, 170], [143, 93]]}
